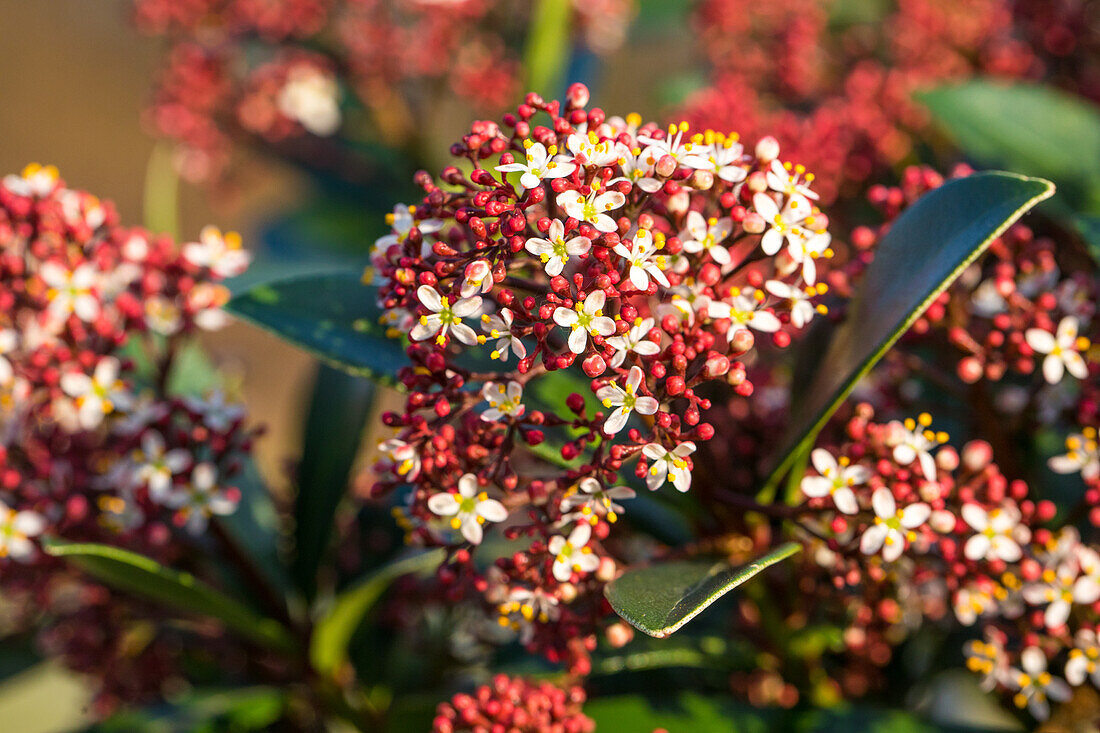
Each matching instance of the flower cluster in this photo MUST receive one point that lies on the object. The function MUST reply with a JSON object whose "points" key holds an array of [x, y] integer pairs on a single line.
{"points": [[93, 446], [838, 90], [300, 70], [515, 704], [564, 302]]}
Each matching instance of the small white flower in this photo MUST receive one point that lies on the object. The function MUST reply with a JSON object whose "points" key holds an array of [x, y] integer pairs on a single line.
{"points": [[785, 224], [222, 254], [1062, 587], [837, 479], [744, 312], [670, 144], [468, 509], [1035, 685], [913, 441], [201, 499], [573, 554], [973, 602], [592, 500], [1084, 659], [539, 165], [556, 251], [633, 340], [400, 460], [999, 533], [637, 167], [892, 526], [625, 401], [780, 178], [310, 97], [97, 395], [16, 529], [444, 317], [802, 310], [35, 180], [988, 659], [1082, 455], [500, 327], [584, 318], [9, 342], [1062, 350], [217, 412], [644, 260], [71, 292], [503, 401], [205, 302], [156, 466], [589, 150], [403, 222], [476, 278], [723, 158], [665, 463], [523, 607], [592, 209], [707, 235]]}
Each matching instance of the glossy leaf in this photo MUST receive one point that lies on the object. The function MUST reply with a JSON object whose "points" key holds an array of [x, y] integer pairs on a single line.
{"points": [[143, 576], [926, 248], [333, 316], [333, 633], [661, 598], [338, 411]]}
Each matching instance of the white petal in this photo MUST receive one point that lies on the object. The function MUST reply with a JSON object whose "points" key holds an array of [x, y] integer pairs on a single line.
{"points": [[845, 500]]}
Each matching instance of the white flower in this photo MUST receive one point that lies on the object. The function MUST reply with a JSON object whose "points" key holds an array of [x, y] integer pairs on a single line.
{"points": [[97, 395], [892, 526], [722, 157], [1035, 685], [589, 150], [476, 278], [1062, 587], [670, 144], [633, 340], [202, 499], [988, 659], [743, 312], [500, 327], [585, 318], [310, 98], [837, 479], [1062, 350], [637, 166], [592, 209], [400, 459], [71, 292], [16, 529], [802, 310], [999, 533], [503, 401], [782, 225], [781, 179], [573, 554], [539, 165], [625, 401], [403, 222], [706, 235], [9, 342], [222, 254], [973, 602], [913, 441], [523, 607], [1083, 455], [468, 509], [36, 180], [444, 317], [1084, 658], [217, 412], [157, 466], [644, 260], [205, 301], [589, 496], [665, 463], [556, 251]]}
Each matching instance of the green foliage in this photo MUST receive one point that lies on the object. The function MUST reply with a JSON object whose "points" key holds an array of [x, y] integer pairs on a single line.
{"points": [[661, 598], [228, 711], [145, 577], [548, 46]]}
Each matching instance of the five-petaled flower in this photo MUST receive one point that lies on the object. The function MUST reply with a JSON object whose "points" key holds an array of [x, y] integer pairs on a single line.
{"points": [[914, 441], [1062, 348], [201, 499], [97, 395], [499, 326], [593, 501], [444, 317], [157, 466], [1035, 685], [893, 526], [71, 291], [573, 554], [222, 254], [584, 318], [469, 509], [644, 260], [837, 479], [707, 235], [504, 401], [1070, 583], [625, 400], [1082, 455], [556, 250], [593, 208], [999, 533], [16, 529], [1084, 658], [633, 340], [539, 166]]}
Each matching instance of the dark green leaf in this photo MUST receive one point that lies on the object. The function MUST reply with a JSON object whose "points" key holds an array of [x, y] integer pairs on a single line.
{"points": [[239, 711], [332, 634], [333, 316], [662, 598], [143, 576], [687, 712], [338, 411], [926, 248]]}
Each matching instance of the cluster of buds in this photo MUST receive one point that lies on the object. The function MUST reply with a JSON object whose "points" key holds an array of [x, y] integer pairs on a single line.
{"points": [[839, 92], [93, 447], [913, 528], [515, 704], [299, 70], [1025, 308], [585, 257]]}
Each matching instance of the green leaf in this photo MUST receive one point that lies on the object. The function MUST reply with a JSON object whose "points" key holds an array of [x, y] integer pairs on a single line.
{"points": [[1027, 128], [143, 576], [238, 710], [548, 46], [332, 634], [161, 196], [333, 316], [338, 411], [662, 598], [926, 248], [688, 711]]}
